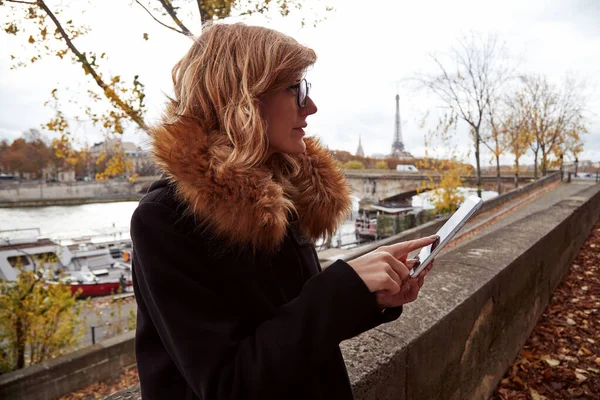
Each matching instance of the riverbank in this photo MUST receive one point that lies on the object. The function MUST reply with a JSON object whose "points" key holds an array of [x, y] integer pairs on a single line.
{"points": [[68, 202], [36, 194]]}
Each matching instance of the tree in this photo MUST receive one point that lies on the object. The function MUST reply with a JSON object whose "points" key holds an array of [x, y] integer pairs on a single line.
{"points": [[4, 149], [82, 163], [115, 164], [444, 192], [29, 154], [497, 140], [16, 157], [37, 153], [38, 320], [468, 81], [353, 165], [517, 130], [40, 25], [555, 116], [381, 164]]}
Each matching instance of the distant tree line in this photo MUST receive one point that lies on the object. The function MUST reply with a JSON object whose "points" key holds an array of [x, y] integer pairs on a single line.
{"points": [[348, 160], [33, 156]]}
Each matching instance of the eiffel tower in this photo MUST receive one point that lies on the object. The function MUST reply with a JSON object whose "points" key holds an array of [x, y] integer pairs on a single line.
{"points": [[398, 146]]}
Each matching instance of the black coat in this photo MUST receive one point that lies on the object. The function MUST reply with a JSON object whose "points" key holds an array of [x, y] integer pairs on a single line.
{"points": [[216, 322]]}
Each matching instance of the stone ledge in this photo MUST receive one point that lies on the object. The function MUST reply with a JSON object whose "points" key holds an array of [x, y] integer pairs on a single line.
{"points": [[53, 378]]}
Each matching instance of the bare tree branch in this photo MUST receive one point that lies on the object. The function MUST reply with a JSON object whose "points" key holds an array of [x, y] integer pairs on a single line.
{"points": [[157, 20], [171, 11]]}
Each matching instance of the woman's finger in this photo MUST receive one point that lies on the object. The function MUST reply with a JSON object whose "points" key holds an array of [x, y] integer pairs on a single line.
{"points": [[402, 248], [397, 266]]}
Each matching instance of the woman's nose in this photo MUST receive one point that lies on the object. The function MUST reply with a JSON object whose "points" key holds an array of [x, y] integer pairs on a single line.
{"points": [[310, 107]]}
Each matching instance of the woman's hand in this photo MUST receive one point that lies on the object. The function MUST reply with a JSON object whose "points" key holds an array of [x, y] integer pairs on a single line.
{"points": [[409, 290], [385, 273]]}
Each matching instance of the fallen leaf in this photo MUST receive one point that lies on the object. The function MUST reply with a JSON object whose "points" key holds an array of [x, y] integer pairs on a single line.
{"points": [[519, 381], [569, 358], [535, 395], [580, 377], [570, 321], [551, 362], [527, 355]]}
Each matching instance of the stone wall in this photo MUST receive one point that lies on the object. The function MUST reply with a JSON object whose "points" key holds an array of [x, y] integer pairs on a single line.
{"points": [[51, 379], [32, 192]]}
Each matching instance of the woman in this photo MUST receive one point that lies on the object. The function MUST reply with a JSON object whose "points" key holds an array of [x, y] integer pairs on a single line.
{"points": [[231, 299]]}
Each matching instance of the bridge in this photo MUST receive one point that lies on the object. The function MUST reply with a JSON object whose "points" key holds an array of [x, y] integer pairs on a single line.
{"points": [[378, 185], [369, 184]]}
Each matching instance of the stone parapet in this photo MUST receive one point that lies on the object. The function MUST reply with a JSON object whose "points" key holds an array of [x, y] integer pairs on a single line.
{"points": [[53, 378]]}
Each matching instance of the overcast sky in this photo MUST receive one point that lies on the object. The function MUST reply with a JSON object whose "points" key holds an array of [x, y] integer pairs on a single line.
{"points": [[363, 54]]}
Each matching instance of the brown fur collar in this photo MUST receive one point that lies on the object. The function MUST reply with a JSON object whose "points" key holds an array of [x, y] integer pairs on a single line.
{"points": [[252, 207]]}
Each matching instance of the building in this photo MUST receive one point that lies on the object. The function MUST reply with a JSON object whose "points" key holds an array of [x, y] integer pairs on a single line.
{"points": [[398, 150], [138, 159], [59, 174], [360, 152], [379, 156]]}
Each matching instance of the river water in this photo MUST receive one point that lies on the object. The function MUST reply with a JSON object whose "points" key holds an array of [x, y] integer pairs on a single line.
{"points": [[100, 222], [67, 222]]}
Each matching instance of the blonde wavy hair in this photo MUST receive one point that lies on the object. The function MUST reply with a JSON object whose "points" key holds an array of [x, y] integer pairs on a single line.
{"points": [[219, 82]]}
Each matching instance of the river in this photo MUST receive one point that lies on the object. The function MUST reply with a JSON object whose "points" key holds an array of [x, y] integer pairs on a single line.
{"points": [[100, 221], [66, 222]]}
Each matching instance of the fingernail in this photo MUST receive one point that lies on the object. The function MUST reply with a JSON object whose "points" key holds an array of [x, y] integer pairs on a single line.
{"points": [[434, 237]]}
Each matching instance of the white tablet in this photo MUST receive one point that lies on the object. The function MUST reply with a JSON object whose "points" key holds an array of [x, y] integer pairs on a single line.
{"points": [[447, 232]]}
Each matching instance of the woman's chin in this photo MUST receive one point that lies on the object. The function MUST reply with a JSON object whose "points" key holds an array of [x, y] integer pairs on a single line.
{"points": [[297, 147]]}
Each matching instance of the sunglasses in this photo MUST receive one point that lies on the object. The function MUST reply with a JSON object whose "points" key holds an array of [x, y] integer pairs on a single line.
{"points": [[301, 89]]}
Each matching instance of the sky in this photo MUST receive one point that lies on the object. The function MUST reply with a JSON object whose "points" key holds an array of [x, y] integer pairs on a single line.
{"points": [[365, 56]]}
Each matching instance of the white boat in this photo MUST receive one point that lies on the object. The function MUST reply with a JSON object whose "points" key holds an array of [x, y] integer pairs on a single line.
{"points": [[90, 268]]}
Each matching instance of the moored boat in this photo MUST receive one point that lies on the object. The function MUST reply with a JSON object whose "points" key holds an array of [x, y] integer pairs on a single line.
{"points": [[89, 269]]}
